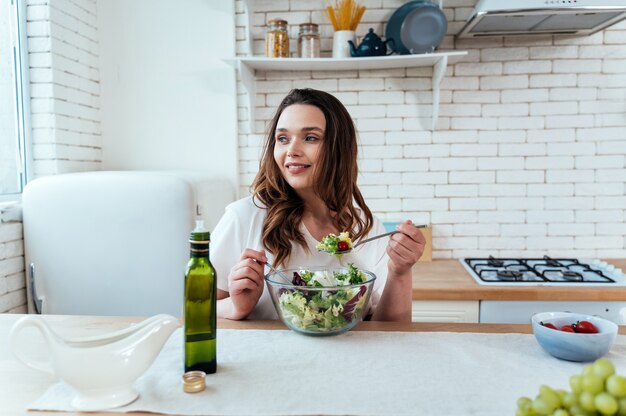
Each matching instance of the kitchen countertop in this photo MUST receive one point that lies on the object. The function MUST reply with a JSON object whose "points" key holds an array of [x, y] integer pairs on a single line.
{"points": [[21, 385], [449, 280]]}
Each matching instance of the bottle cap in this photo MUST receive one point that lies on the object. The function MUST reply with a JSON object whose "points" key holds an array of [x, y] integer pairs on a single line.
{"points": [[194, 381], [200, 234]]}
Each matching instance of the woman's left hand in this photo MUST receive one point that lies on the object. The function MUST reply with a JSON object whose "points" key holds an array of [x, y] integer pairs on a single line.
{"points": [[405, 248]]}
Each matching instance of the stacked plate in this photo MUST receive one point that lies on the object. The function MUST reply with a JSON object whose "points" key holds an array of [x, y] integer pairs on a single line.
{"points": [[416, 27]]}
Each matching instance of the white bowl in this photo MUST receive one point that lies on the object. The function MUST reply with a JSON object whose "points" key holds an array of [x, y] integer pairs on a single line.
{"points": [[573, 346]]}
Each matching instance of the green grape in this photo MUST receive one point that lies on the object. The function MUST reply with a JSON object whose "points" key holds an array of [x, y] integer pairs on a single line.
{"points": [[576, 383], [550, 396], [576, 410], [606, 404], [524, 403], [586, 400], [560, 412], [622, 406], [616, 385], [592, 383], [603, 368], [569, 400], [587, 369], [543, 406]]}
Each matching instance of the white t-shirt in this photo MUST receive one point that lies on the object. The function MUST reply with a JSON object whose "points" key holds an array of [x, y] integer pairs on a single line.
{"points": [[240, 227]]}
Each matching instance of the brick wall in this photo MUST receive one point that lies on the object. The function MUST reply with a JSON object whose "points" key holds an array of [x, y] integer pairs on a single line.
{"points": [[528, 157], [65, 103]]}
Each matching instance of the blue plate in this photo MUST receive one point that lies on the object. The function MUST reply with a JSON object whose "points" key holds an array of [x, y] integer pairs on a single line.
{"points": [[416, 27]]}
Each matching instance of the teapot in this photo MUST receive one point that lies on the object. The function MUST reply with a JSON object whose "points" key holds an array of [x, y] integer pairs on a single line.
{"points": [[101, 368], [371, 45]]}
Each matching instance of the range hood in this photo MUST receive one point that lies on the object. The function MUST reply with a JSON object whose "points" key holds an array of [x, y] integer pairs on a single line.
{"points": [[540, 17]]}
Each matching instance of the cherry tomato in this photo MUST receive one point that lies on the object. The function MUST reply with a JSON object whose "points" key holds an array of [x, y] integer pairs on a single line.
{"points": [[567, 328], [548, 325], [342, 246], [585, 327]]}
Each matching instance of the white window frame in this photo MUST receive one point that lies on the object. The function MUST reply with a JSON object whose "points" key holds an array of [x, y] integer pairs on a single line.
{"points": [[22, 95]]}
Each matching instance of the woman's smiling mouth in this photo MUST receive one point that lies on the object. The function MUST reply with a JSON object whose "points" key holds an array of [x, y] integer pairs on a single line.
{"points": [[296, 167]]}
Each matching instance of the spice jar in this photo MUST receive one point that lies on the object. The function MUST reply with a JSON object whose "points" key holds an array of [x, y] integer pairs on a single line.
{"points": [[277, 39], [309, 41]]}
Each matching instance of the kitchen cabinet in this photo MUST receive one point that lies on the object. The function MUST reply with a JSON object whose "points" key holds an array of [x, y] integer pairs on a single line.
{"points": [[247, 65], [445, 311]]}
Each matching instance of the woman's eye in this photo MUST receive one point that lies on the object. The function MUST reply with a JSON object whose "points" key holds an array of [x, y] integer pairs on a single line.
{"points": [[310, 138], [281, 139]]}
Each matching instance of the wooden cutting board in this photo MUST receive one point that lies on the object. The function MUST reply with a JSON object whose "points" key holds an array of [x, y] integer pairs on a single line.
{"points": [[428, 250]]}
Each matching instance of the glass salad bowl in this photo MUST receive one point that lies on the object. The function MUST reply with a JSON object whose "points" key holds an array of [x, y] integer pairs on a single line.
{"points": [[320, 300]]}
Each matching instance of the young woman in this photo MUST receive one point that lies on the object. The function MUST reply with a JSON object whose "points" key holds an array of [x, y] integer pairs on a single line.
{"points": [[306, 188]]}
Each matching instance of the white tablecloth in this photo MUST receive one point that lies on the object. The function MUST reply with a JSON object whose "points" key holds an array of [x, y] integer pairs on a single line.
{"points": [[358, 373]]}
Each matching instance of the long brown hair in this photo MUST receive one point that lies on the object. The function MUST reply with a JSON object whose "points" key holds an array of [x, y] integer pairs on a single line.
{"points": [[336, 179]]}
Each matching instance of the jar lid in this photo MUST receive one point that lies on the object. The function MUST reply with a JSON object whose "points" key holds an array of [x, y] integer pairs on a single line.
{"points": [[194, 381], [309, 25], [277, 22]]}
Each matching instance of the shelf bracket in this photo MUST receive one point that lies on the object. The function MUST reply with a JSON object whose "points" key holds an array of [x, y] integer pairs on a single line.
{"points": [[438, 72], [249, 83]]}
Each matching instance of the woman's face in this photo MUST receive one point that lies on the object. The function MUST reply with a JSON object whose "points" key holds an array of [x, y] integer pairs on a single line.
{"points": [[299, 136]]}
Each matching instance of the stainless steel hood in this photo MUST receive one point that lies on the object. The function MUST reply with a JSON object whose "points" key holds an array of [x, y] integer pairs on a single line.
{"points": [[540, 17]]}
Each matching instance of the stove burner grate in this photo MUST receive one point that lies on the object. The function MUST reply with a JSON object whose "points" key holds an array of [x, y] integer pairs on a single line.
{"points": [[509, 275]]}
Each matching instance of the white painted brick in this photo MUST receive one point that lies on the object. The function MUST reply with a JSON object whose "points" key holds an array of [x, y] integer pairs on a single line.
{"points": [[599, 162], [545, 243], [601, 216], [606, 51], [426, 150], [378, 124], [501, 216], [490, 110], [551, 162], [411, 191], [538, 149], [405, 137], [404, 165], [473, 150], [611, 229], [568, 176], [551, 135], [520, 203], [516, 123], [575, 202], [527, 67], [408, 84], [571, 148], [376, 191], [568, 66], [568, 94], [604, 134], [511, 136], [498, 243], [460, 204], [11, 231], [458, 242], [458, 217], [11, 265], [379, 178], [402, 110], [610, 202], [613, 66], [476, 96], [609, 175], [496, 163], [561, 80], [474, 123], [521, 96], [460, 110], [425, 178], [505, 81], [523, 230], [485, 189], [460, 83], [456, 190], [550, 190], [597, 242], [467, 177], [425, 204], [538, 109], [603, 108], [452, 163], [465, 69], [470, 230], [520, 176], [16, 281], [12, 300], [607, 120], [371, 138], [601, 80], [466, 136], [595, 189], [569, 121], [384, 204], [366, 111], [381, 97], [554, 52], [361, 84], [549, 216]]}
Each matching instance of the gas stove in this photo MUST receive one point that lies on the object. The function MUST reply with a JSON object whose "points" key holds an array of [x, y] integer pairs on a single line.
{"points": [[544, 271]]}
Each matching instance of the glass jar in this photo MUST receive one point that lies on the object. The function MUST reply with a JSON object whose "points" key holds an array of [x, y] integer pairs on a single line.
{"points": [[309, 41], [277, 39]]}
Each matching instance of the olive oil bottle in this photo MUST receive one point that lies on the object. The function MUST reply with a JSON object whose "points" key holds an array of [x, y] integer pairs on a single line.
{"points": [[200, 304]]}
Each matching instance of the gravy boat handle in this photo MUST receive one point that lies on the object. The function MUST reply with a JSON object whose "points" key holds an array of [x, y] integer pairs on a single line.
{"points": [[14, 344]]}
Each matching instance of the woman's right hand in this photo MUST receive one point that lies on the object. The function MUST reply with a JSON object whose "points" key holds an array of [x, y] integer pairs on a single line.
{"points": [[245, 283]]}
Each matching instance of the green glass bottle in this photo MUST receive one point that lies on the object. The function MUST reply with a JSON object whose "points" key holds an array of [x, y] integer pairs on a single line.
{"points": [[200, 304]]}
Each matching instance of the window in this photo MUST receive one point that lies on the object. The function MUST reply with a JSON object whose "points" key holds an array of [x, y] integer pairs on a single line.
{"points": [[14, 98]]}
